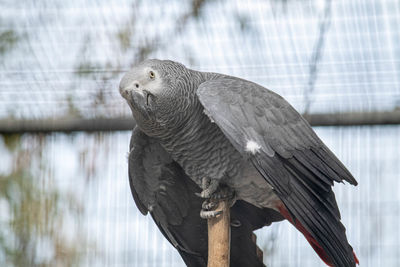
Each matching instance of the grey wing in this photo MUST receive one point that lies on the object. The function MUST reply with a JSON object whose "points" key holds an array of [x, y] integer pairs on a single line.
{"points": [[160, 186], [281, 144], [152, 173]]}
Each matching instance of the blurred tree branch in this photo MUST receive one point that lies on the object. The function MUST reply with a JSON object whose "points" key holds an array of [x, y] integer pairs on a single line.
{"points": [[316, 55]]}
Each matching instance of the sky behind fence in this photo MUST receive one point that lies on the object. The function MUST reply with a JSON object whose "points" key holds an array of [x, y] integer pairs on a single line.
{"points": [[69, 56]]}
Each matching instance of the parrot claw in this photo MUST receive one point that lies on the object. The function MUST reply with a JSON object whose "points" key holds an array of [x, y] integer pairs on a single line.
{"points": [[207, 209], [209, 205], [209, 214]]}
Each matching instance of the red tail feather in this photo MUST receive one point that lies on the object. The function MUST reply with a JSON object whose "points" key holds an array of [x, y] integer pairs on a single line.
{"points": [[355, 258], [317, 247]]}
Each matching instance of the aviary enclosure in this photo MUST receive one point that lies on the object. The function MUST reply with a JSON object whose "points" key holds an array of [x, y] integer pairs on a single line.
{"points": [[65, 130]]}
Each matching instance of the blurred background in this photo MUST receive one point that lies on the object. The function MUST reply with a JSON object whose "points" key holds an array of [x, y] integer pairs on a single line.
{"points": [[64, 129]]}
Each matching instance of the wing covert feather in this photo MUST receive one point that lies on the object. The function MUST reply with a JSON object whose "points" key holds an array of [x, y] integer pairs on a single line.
{"points": [[291, 158]]}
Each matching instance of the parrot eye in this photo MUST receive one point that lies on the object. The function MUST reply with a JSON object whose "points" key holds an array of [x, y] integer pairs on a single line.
{"points": [[152, 75]]}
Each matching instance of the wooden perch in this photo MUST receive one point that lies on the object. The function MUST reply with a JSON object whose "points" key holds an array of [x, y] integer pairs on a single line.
{"points": [[259, 252], [219, 237]]}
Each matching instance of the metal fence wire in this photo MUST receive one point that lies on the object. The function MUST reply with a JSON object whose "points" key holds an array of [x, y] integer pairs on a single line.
{"points": [[65, 198]]}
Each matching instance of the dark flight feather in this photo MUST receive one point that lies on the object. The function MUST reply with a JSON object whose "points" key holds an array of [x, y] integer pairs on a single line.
{"points": [[292, 159]]}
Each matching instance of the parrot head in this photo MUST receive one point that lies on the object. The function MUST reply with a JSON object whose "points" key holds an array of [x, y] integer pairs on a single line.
{"points": [[157, 92]]}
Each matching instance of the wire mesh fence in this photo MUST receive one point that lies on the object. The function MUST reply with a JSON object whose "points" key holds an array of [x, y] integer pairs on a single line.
{"points": [[80, 182], [66, 58], [65, 199]]}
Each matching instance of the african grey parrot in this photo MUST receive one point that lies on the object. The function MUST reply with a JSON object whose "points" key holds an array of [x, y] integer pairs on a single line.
{"points": [[229, 133], [160, 186]]}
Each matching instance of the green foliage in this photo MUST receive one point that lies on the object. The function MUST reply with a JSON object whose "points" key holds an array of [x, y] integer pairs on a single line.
{"points": [[34, 211], [72, 109], [197, 7], [11, 141], [85, 69], [124, 36], [8, 39]]}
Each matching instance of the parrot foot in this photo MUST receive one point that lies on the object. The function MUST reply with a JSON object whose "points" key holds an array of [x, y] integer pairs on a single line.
{"points": [[214, 193], [209, 187], [204, 214], [209, 205]]}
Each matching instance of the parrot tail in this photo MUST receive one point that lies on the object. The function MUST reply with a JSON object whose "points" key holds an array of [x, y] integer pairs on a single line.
{"points": [[314, 244]]}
